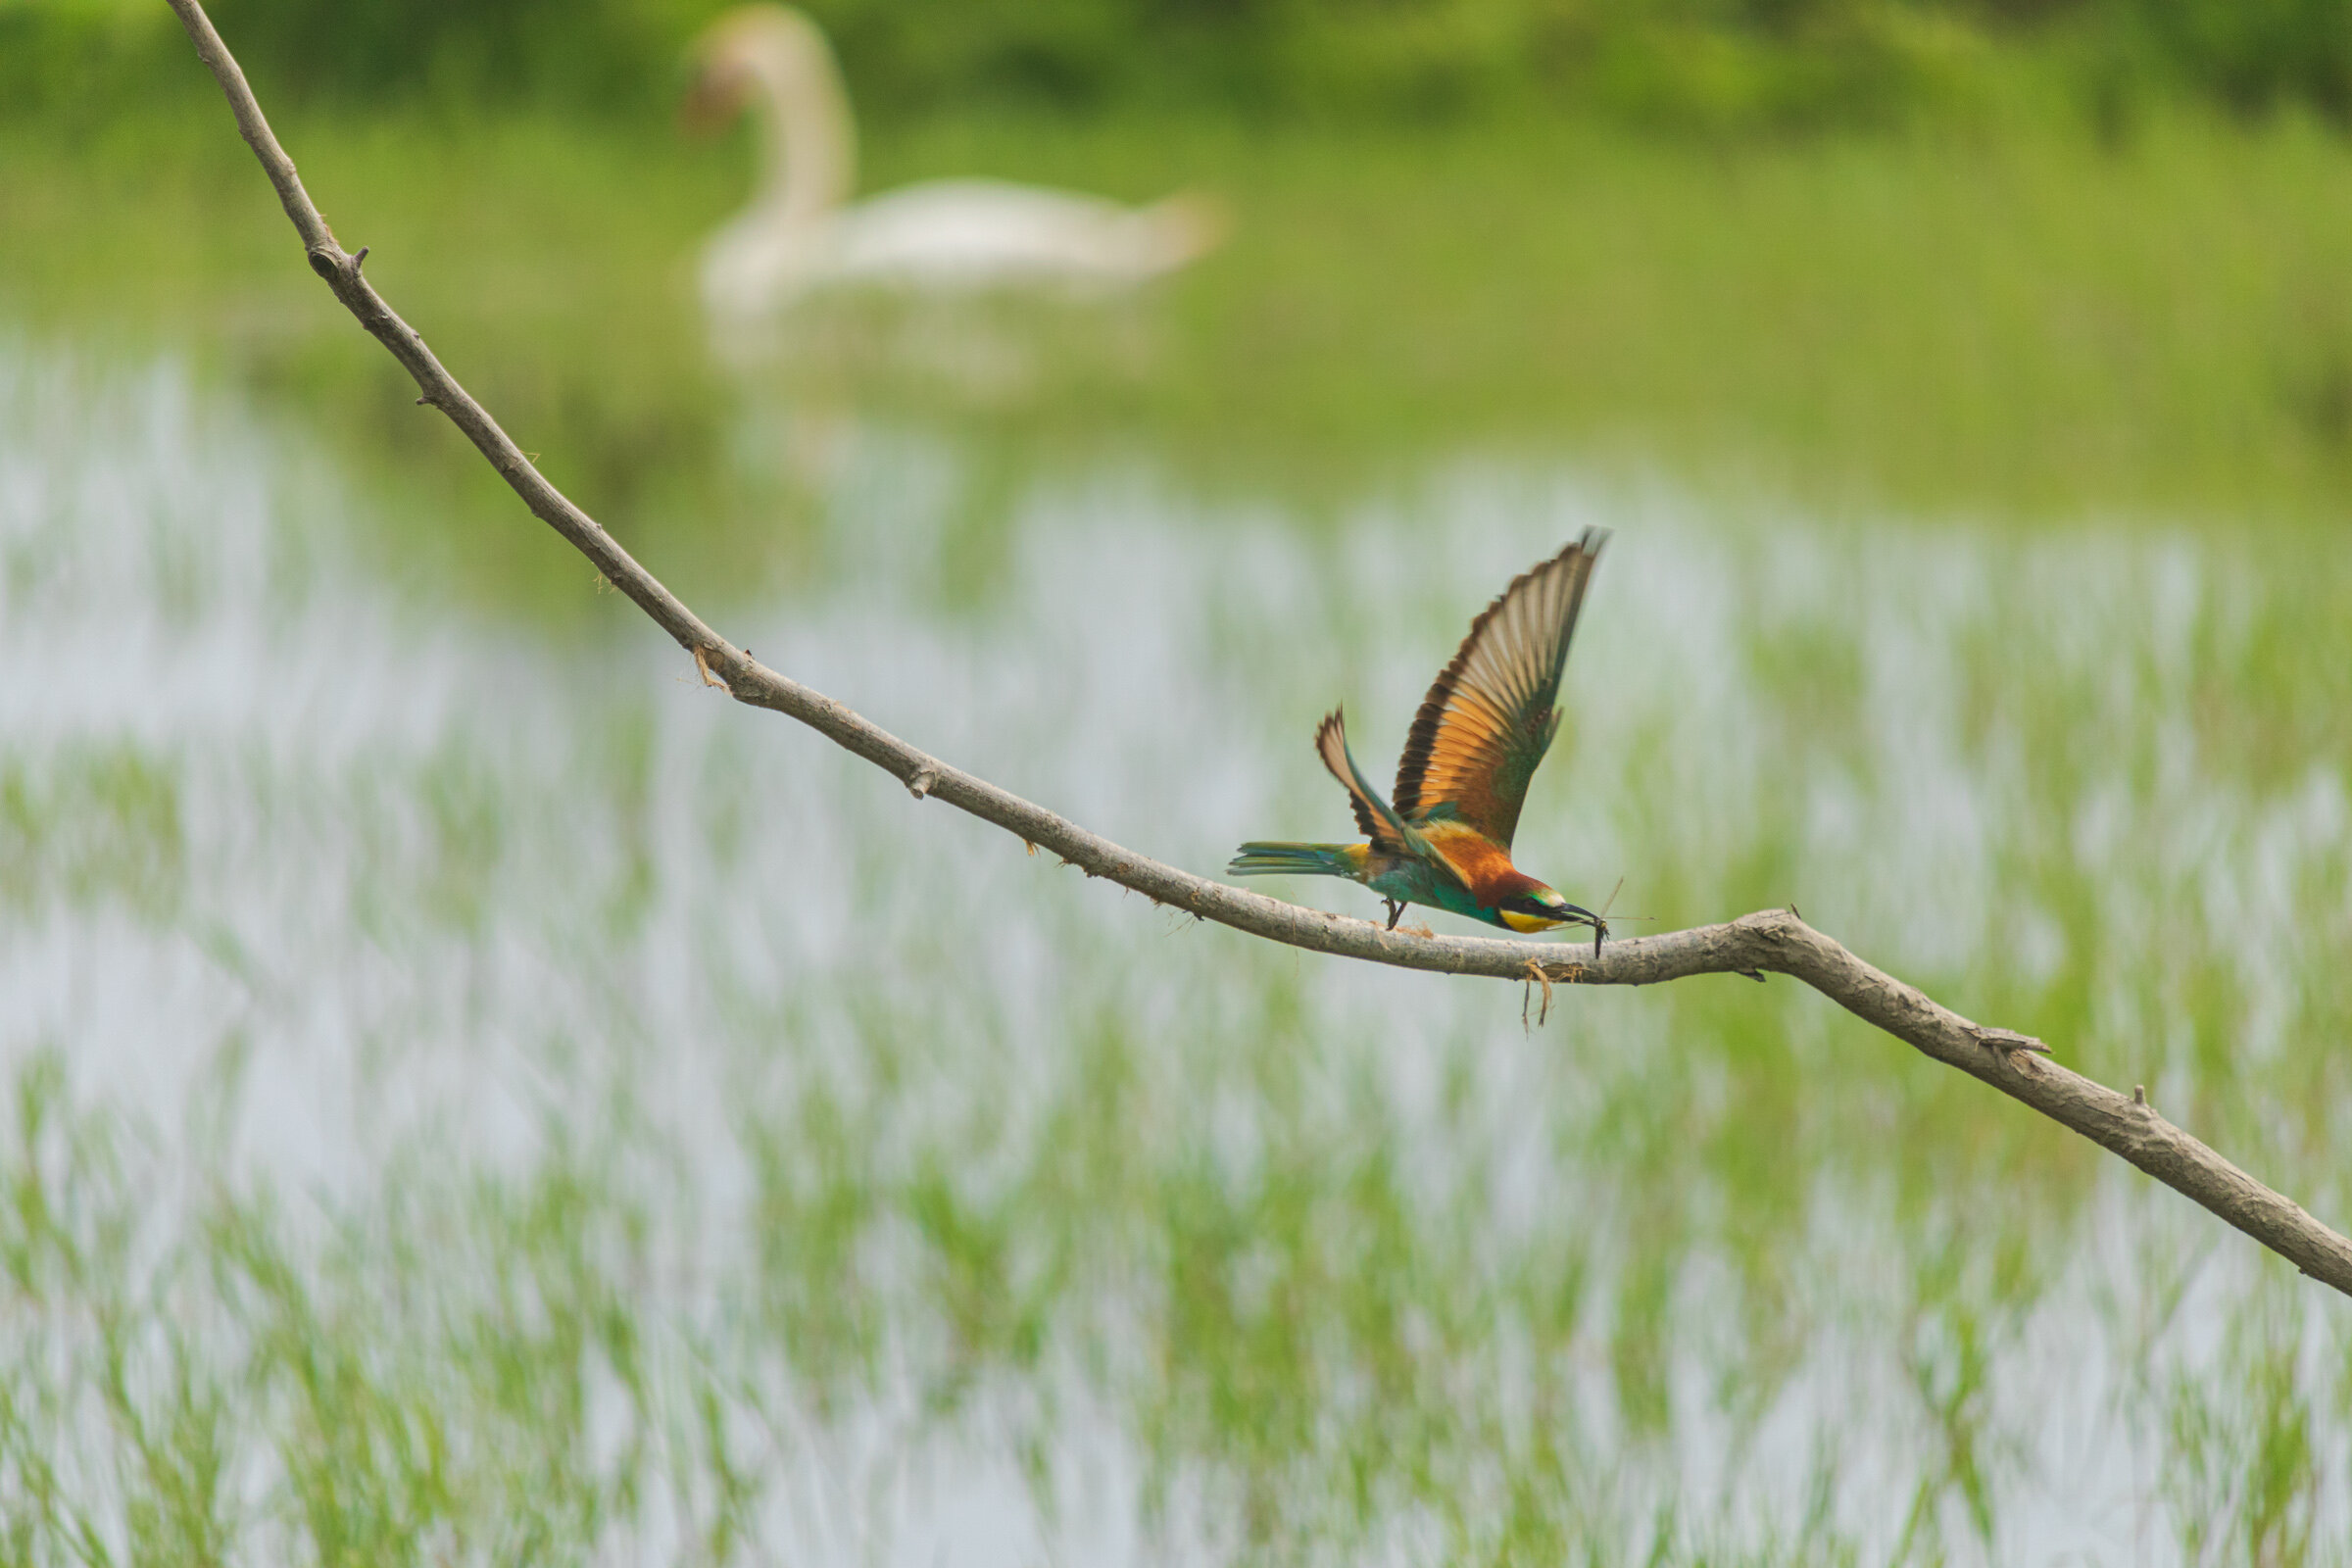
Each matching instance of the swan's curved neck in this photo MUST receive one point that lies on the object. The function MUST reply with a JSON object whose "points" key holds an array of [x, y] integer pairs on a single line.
{"points": [[810, 157]]}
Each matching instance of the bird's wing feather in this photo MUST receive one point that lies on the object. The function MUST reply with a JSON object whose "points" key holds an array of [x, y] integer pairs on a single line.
{"points": [[1374, 819], [1390, 833], [1490, 716]]}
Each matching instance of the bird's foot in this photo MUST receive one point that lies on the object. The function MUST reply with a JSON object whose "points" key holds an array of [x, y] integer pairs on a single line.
{"points": [[1396, 911]]}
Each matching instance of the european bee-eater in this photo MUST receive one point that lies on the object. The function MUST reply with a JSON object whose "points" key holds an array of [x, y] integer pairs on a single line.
{"points": [[1483, 728]]}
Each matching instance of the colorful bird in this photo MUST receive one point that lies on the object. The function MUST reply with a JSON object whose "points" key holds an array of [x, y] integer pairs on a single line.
{"points": [[1483, 728]]}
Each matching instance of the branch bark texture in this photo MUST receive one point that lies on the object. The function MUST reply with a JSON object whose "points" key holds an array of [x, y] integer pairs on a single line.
{"points": [[1773, 942]]}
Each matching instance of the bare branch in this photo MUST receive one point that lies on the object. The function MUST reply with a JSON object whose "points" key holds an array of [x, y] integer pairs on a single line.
{"points": [[1774, 941]]}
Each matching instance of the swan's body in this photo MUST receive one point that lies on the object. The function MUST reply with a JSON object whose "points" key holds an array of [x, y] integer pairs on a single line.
{"points": [[801, 234]]}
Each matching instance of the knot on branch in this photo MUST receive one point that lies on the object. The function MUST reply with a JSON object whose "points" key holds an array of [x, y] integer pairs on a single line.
{"points": [[2007, 1040], [339, 269], [924, 781], [1779, 927]]}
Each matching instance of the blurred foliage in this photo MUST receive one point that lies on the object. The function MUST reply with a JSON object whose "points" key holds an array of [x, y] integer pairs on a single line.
{"points": [[1706, 65], [2253, 55], [2021, 319]]}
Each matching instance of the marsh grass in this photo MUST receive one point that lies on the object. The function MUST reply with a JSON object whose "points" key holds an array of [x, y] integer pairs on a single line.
{"points": [[652, 1219], [471, 1098]]}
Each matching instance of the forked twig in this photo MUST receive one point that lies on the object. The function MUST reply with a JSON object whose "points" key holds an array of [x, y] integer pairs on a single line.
{"points": [[1775, 941], [1535, 977]]}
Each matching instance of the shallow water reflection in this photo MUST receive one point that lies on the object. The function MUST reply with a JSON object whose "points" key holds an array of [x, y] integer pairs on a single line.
{"points": [[669, 1140]]}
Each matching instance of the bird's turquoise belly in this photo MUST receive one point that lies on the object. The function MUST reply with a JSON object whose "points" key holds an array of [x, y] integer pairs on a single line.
{"points": [[1417, 882]]}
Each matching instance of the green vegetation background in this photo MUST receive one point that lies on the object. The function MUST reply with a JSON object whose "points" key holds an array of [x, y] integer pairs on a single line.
{"points": [[1689, 63], [2029, 261], [2038, 259]]}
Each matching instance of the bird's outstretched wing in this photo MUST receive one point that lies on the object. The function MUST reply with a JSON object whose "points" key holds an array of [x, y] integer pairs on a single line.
{"points": [[1490, 717], [1373, 817]]}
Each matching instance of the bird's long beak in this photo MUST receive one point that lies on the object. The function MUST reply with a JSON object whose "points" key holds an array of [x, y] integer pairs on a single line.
{"points": [[1600, 925]]}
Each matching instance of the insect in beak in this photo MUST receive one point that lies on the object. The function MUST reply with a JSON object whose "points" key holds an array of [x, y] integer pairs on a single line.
{"points": [[1585, 916]]}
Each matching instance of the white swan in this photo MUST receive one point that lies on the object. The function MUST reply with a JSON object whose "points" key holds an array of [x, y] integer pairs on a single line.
{"points": [[797, 235]]}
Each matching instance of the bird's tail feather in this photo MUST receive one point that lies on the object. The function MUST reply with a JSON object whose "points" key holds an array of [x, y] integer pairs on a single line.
{"points": [[1297, 859]]}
